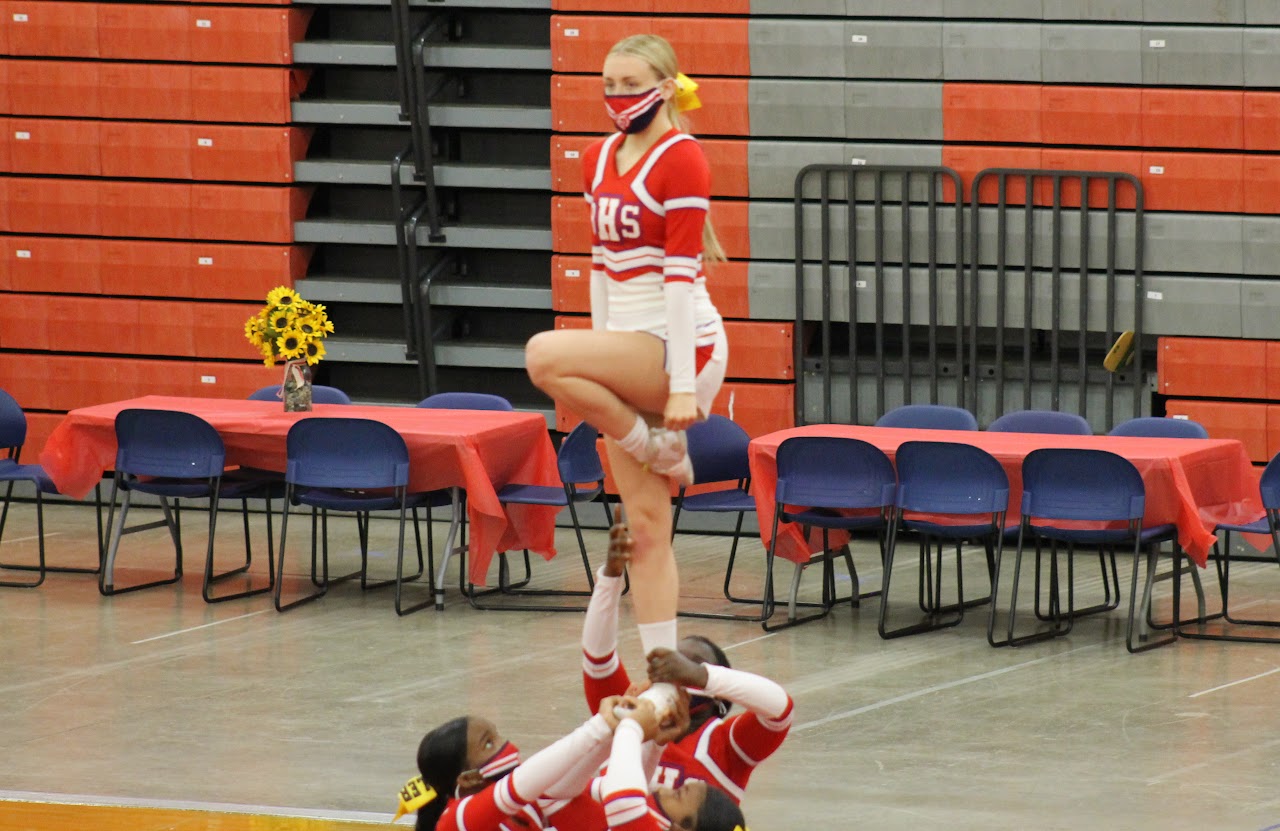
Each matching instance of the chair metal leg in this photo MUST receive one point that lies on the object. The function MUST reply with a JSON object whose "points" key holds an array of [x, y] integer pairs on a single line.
{"points": [[1131, 643], [322, 587], [829, 598], [934, 609], [402, 609], [172, 521], [41, 567], [210, 578], [1054, 603]]}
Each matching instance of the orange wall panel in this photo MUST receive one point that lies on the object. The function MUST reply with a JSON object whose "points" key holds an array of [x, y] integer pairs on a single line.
{"points": [[1091, 115], [144, 267], [54, 206], [970, 161], [59, 88], [1114, 161], [1005, 113], [146, 150], [706, 46], [53, 264], [218, 329], [1262, 184], [158, 210], [246, 35], [726, 157], [1246, 423], [1272, 371], [1193, 118], [245, 272], [144, 32], [39, 427], [1262, 121], [157, 92], [1212, 367], [54, 146], [44, 28], [222, 153], [1203, 182], [254, 95], [248, 214], [760, 350]]}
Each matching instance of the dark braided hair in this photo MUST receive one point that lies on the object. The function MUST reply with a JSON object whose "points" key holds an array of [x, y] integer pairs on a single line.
{"points": [[442, 757], [719, 812]]}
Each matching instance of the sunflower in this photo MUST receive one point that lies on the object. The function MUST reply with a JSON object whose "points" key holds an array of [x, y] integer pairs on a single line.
{"points": [[291, 344], [307, 326], [282, 318], [284, 297], [253, 331], [314, 351]]}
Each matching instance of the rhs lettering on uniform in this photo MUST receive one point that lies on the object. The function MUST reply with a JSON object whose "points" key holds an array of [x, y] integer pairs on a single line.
{"points": [[615, 220]]}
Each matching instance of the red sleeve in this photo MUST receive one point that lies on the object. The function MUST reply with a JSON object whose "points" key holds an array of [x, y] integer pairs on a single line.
{"points": [[741, 742], [682, 183], [611, 682]]}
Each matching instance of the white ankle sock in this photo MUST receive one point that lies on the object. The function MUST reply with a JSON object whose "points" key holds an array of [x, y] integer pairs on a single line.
{"points": [[660, 634], [636, 442]]}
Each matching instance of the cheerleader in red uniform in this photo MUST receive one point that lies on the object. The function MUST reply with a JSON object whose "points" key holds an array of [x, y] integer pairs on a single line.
{"points": [[655, 356], [716, 747]]}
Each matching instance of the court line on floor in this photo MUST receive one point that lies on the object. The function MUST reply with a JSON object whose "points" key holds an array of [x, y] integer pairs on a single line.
{"points": [[196, 628], [959, 682], [186, 805], [744, 643], [1216, 760], [33, 537], [1234, 683]]}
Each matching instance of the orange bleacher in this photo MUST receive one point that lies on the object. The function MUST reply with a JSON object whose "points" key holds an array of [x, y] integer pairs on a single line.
{"points": [[150, 205]]}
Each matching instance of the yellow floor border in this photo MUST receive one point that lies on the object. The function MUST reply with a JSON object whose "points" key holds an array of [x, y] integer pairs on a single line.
{"points": [[53, 812]]}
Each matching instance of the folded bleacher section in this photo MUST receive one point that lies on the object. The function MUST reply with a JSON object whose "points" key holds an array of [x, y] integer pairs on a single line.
{"points": [[148, 198]]}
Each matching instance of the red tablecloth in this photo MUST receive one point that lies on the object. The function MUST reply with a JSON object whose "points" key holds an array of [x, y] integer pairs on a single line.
{"points": [[1192, 483], [479, 451]]}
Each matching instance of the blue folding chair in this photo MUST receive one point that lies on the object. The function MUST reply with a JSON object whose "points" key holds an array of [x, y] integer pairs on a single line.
{"points": [[1269, 523], [824, 477], [1041, 421], [929, 417], [13, 435], [718, 450], [1087, 485], [173, 456], [1160, 428], [579, 465], [466, 401], [353, 465], [957, 480], [320, 394]]}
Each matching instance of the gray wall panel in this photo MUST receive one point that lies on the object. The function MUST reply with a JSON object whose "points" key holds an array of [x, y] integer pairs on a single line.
{"points": [[1262, 246], [1192, 306], [773, 233], [1195, 56], [771, 288], [1195, 243], [1109, 10], [989, 408], [805, 109], [867, 412], [991, 52], [912, 155], [880, 110], [893, 8], [1259, 301], [1262, 57], [798, 8], [1092, 54], [772, 166], [796, 48], [1010, 9], [1262, 12], [1214, 12], [875, 49]]}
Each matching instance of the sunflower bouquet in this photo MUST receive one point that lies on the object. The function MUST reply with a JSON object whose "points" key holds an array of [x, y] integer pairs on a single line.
{"points": [[289, 328]]}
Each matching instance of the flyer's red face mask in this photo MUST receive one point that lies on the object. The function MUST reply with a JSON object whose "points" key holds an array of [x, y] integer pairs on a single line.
{"points": [[632, 113]]}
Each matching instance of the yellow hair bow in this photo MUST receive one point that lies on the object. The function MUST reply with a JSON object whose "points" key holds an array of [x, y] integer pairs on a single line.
{"points": [[413, 796], [740, 828], [686, 93]]}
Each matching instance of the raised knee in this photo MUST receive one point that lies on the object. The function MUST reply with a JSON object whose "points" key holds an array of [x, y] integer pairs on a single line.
{"points": [[539, 357]]}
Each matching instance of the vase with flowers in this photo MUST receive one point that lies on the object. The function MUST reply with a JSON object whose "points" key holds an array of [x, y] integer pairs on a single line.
{"points": [[292, 330]]}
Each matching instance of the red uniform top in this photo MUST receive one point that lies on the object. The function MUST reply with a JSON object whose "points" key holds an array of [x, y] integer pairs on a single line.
{"points": [[646, 226]]}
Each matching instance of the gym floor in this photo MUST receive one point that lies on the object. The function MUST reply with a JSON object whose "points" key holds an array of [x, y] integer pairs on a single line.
{"points": [[159, 700]]}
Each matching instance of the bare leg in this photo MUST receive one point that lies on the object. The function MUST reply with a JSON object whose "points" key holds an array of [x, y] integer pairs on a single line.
{"points": [[655, 585], [606, 377]]}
